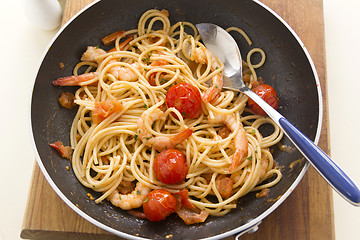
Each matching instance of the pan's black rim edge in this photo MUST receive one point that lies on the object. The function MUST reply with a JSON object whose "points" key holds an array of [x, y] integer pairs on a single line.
{"points": [[235, 231]]}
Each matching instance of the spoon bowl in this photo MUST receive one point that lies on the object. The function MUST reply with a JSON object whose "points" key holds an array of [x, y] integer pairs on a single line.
{"points": [[221, 43]]}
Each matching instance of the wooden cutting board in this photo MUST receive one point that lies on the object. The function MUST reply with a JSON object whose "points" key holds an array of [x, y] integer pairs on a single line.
{"points": [[306, 214]]}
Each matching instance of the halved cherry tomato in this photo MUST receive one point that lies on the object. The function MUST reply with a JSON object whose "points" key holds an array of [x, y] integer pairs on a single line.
{"points": [[186, 99], [158, 205], [170, 166], [268, 94]]}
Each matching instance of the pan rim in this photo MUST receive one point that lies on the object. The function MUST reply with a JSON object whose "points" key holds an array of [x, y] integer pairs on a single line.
{"points": [[236, 231]]}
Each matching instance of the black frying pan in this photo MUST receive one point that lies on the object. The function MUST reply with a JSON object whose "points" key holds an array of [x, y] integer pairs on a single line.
{"points": [[288, 69]]}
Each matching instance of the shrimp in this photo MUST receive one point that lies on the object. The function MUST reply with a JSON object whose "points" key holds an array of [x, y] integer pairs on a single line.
{"points": [[124, 73], [152, 76], [224, 186], [264, 165], [109, 39], [126, 187], [92, 55], [241, 141], [104, 109], [75, 80], [217, 80], [263, 169], [123, 44], [132, 200], [159, 143]]}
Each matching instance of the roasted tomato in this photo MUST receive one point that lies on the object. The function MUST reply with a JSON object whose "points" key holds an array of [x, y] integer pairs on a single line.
{"points": [[188, 212], [186, 99], [268, 94], [65, 151], [158, 205], [67, 100], [170, 166]]}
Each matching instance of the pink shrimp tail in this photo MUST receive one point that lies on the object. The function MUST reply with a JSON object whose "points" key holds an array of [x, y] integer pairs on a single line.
{"points": [[123, 44], [172, 141], [237, 159], [74, 80], [210, 94], [214, 90], [181, 136], [109, 39]]}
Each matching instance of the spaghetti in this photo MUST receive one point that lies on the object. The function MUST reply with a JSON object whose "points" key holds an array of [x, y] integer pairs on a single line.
{"points": [[122, 106]]}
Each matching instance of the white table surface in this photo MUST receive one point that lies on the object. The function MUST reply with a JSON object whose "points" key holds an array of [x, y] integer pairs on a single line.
{"points": [[23, 45]]}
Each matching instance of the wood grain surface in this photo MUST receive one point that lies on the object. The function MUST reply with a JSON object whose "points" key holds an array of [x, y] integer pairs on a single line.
{"points": [[306, 214]]}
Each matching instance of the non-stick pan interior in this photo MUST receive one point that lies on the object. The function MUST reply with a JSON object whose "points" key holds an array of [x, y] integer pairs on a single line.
{"points": [[287, 69]]}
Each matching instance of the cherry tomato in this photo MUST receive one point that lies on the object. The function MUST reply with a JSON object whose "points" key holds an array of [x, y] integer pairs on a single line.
{"points": [[186, 99], [170, 166], [268, 94], [158, 205]]}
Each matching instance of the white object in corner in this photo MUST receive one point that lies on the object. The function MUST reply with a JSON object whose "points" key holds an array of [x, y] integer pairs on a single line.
{"points": [[44, 14]]}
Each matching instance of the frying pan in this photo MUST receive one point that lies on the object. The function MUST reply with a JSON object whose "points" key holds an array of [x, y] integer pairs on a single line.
{"points": [[288, 68]]}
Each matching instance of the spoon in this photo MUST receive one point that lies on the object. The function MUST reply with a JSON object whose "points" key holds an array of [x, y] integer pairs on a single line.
{"points": [[221, 43]]}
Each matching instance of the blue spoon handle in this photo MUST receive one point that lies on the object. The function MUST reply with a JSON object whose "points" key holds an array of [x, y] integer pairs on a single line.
{"points": [[322, 163], [318, 158]]}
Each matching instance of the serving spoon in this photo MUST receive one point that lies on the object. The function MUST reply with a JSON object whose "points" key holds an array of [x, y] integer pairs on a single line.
{"points": [[221, 43]]}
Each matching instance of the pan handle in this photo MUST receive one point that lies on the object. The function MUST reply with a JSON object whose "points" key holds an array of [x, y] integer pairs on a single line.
{"points": [[251, 229]]}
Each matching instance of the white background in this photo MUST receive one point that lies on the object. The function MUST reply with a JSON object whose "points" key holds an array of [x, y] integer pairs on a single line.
{"points": [[22, 46]]}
